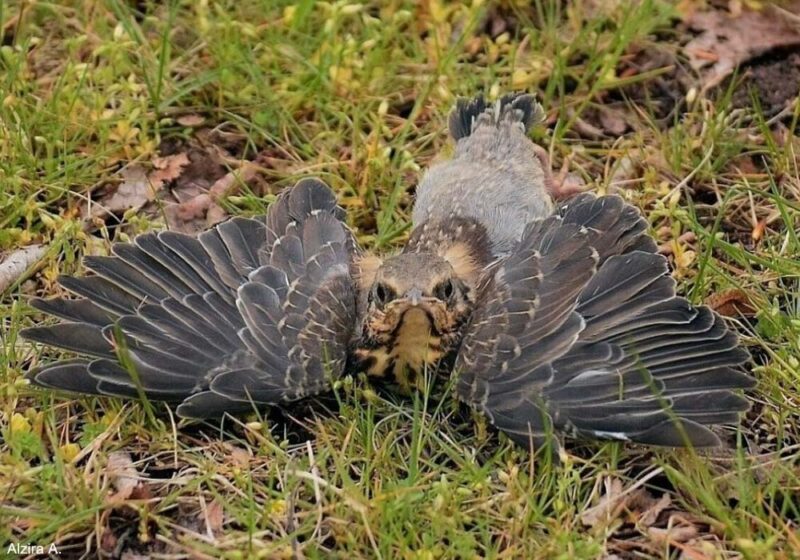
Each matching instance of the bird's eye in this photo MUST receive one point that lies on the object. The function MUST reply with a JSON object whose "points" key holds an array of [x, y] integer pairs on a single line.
{"points": [[445, 290]]}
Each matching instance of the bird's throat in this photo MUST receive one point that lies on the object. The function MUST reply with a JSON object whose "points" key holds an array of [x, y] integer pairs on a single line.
{"points": [[403, 359]]}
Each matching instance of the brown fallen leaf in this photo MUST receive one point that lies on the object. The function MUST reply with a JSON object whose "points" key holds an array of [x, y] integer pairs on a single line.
{"points": [[203, 210], [133, 193], [725, 42], [758, 231], [191, 120], [608, 508], [215, 516], [625, 172], [168, 168], [238, 455], [123, 475], [612, 120], [650, 513], [673, 534], [632, 506], [731, 303], [108, 542], [585, 128], [139, 187], [637, 524], [143, 491], [14, 265]]}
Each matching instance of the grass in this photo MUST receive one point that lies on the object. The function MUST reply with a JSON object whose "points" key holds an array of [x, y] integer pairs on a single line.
{"points": [[358, 95]]}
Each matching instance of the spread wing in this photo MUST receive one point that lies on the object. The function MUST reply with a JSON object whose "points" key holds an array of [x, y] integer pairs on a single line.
{"points": [[580, 330], [254, 310]]}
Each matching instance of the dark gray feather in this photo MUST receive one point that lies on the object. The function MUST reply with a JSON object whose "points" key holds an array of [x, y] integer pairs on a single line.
{"points": [[82, 338], [611, 353], [171, 302], [74, 310]]}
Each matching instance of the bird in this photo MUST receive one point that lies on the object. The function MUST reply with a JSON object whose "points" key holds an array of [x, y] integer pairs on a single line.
{"points": [[550, 317]]}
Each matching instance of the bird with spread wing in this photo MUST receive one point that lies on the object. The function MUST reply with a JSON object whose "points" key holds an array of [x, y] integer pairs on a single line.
{"points": [[552, 317]]}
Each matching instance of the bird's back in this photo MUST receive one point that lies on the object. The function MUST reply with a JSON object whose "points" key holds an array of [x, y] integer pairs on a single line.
{"points": [[494, 177]]}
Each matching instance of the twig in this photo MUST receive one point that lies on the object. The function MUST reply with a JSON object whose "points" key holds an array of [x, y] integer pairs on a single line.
{"points": [[16, 265]]}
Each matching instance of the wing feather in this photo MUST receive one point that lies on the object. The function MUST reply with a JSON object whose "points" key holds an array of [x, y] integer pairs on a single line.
{"points": [[580, 330], [256, 310]]}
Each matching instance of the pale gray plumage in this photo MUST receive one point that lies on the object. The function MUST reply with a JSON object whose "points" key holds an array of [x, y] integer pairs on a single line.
{"points": [[556, 317], [494, 177]]}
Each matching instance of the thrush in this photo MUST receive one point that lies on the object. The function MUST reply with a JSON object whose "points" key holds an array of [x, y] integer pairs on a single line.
{"points": [[550, 317]]}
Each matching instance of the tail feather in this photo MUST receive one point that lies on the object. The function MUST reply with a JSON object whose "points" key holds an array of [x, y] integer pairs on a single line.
{"points": [[513, 107]]}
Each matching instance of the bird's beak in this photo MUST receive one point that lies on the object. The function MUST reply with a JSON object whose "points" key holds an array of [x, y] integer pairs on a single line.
{"points": [[414, 296]]}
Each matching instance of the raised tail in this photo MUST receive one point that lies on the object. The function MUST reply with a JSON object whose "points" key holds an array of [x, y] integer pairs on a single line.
{"points": [[512, 107]]}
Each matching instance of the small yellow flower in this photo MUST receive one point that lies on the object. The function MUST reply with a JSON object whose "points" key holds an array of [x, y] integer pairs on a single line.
{"points": [[276, 508], [19, 423], [69, 451]]}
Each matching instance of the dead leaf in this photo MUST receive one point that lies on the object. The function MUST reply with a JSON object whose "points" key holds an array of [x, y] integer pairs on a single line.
{"points": [[670, 535], [758, 231], [239, 455], [726, 42], [143, 491], [585, 128], [190, 120], [625, 172], [608, 508], [167, 169], [637, 522], [17, 263], [108, 542], [123, 475], [203, 210], [650, 515], [139, 187], [640, 507], [745, 165], [133, 193], [129, 555], [731, 303], [612, 120], [215, 516]]}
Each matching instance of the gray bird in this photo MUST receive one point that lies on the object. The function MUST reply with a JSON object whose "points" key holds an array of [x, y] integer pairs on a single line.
{"points": [[552, 318]]}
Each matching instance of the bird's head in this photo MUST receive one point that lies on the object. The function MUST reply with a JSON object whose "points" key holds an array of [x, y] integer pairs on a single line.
{"points": [[415, 305], [416, 292]]}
